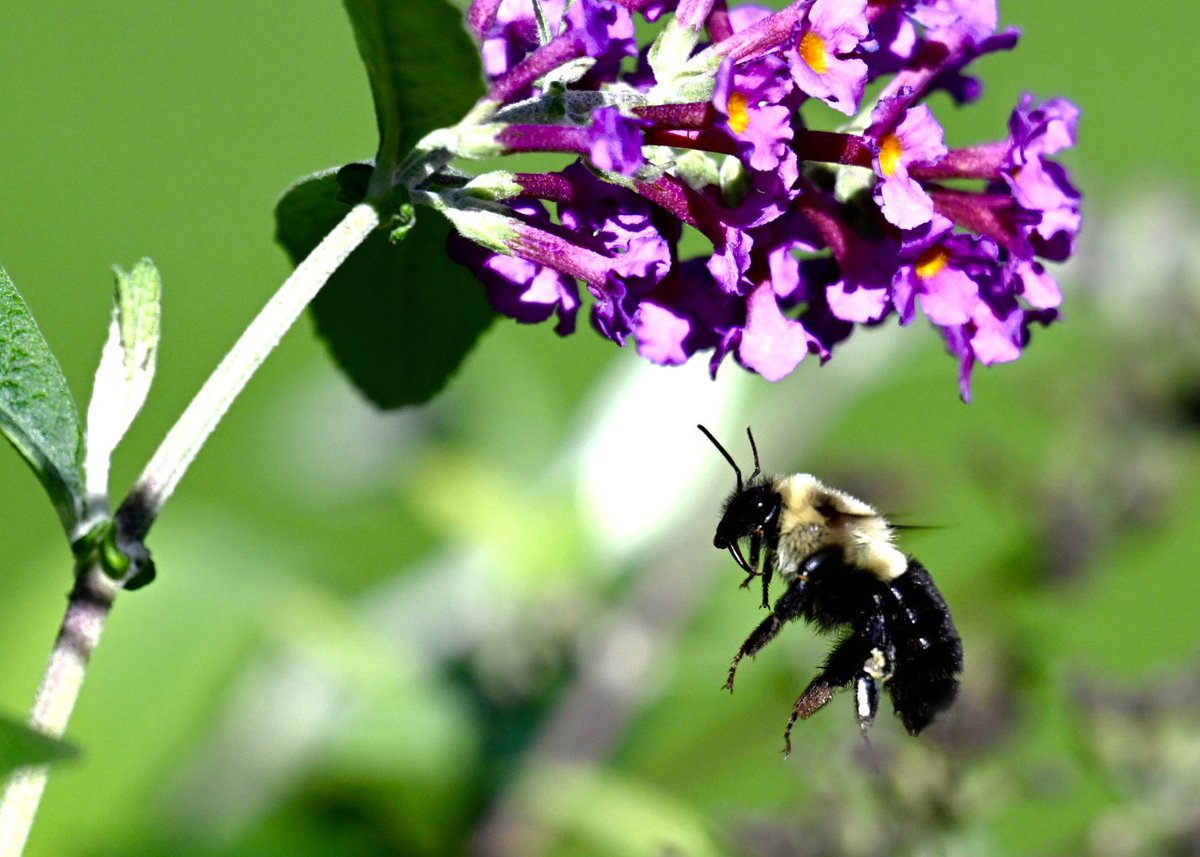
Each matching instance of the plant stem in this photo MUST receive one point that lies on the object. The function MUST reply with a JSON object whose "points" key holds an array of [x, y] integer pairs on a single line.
{"points": [[87, 609], [185, 438], [92, 598]]}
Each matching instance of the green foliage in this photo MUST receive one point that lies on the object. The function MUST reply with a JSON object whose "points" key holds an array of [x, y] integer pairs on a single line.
{"points": [[139, 314], [424, 70], [37, 413], [126, 368], [399, 317], [21, 746]]}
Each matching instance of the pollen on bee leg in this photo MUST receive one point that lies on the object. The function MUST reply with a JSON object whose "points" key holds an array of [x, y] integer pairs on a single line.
{"points": [[810, 702], [877, 666], [813, 700]]}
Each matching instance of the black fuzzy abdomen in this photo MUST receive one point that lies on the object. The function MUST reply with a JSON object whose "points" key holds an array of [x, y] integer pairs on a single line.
{"points": [[929, 657]]}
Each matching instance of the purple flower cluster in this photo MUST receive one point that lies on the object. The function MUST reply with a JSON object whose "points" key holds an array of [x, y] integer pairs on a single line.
{"points": [[812, 231]]}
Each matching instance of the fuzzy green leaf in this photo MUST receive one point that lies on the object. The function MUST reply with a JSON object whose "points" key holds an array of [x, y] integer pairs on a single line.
{"points": [[37, 413], [126, 367], [399, 317], [424, 70], [21, 746]]}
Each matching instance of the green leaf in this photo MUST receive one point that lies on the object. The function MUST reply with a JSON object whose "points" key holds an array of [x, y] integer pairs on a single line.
{"points": [[37, 413], [424, 70], [126, 367], [398, 317], [21, 746]]}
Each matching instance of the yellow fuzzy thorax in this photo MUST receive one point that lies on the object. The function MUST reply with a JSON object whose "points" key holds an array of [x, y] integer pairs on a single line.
{"points": [[815, 516]]}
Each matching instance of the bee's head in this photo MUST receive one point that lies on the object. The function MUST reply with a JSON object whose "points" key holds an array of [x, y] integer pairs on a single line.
{"points": [[751, 512]]}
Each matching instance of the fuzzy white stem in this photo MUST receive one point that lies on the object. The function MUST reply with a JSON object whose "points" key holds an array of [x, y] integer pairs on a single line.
{"points": [[185, 438], [87, 611], [94, 592]]}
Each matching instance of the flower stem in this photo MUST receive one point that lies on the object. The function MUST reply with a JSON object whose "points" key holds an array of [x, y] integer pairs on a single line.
{"points": [[183, 441], [87, 609], [92, 598]]}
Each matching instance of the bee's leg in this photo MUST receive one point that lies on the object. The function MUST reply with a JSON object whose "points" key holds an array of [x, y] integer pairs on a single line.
{"points": [[866, 700], [877, 668], [788, 607], [767, 572], [867, 658], [842, 665], [752, 568]]}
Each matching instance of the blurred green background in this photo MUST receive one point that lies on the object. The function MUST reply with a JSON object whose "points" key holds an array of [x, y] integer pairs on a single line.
{"points": [[496, 625]]}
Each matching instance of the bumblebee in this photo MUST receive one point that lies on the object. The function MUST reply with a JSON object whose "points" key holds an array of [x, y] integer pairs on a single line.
{"points": [[844, 574]]}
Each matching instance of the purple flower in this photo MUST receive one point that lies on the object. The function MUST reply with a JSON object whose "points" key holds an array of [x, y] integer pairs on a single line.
{"points": [[1039, 289], [654, 9], [949, 19], [916, 140], [760, 125], [609, 213], [856, 301], [511, 34], [615, 142], [966, 288], [518, 288], [771, 344], [710, 136], [831, 29], [621, 224], [605, 29], [990, 336], [892, 41], [684, 315], [729, 260], [1039, 184], [780, 243], [623, 253], [769, 193], [661, 334], [947, 294], [601, 30], [612, 141], [861, 290], [1043, 129], [741, 17], [826, 328]]}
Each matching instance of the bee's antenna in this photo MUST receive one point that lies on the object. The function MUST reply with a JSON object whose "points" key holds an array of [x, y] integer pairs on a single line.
{"points": [[729, 457], [754, 449]]}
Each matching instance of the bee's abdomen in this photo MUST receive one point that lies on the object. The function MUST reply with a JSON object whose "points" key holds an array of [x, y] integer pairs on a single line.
{"points": [[929, 658]]}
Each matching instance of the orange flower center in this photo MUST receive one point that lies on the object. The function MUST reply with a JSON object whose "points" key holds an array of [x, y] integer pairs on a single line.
{"points": [[931, 262], [812, 51], [890, 151], [739, 113]]}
